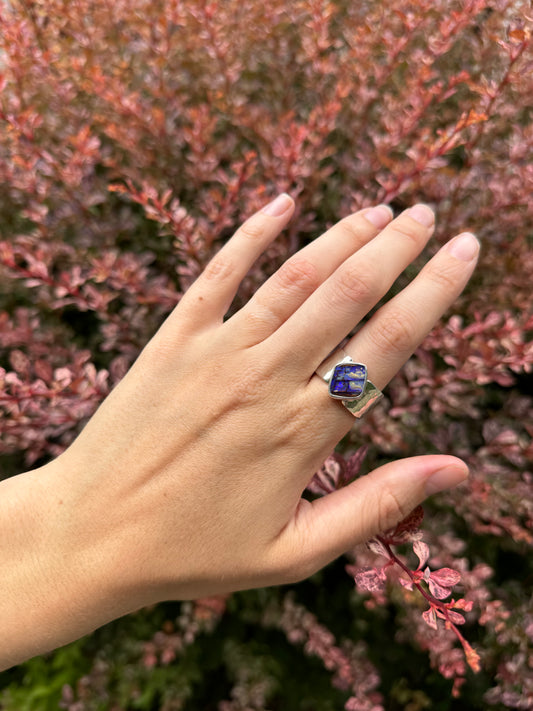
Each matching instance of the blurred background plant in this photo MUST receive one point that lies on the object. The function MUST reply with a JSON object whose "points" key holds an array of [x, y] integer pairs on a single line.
{"points": [[135, 136]]}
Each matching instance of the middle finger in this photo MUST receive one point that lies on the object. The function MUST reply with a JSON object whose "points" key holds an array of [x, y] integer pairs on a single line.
{"points": [[351, 291], [286, 290]]}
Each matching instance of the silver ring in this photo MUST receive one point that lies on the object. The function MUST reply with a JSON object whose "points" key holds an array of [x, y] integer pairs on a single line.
{"points": [[348, 382]]}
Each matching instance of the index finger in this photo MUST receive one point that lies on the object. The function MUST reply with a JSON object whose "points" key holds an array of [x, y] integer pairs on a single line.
{"points": [[210, 296]]}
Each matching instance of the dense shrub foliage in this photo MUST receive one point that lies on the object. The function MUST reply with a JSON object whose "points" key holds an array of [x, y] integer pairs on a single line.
{"points": [[135, 136]]}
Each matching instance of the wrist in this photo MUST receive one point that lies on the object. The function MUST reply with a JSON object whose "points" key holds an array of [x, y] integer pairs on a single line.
{"points": [[58, 583]]}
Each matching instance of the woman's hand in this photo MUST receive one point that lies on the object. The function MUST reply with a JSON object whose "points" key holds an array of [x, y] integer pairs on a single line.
{"points": [[188, 480]]}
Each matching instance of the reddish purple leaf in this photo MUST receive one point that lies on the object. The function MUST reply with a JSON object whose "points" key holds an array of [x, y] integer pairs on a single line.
{"points": [[430, 617], [353, 465], [407, 529], [406, 583], [422, 551], [370, 579], [462, 604], [456, 617], [441, 593], [446, 577], [377, 547]]}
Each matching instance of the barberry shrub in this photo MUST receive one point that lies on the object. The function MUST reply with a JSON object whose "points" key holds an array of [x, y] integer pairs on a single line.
{"points": [[135, 136]]}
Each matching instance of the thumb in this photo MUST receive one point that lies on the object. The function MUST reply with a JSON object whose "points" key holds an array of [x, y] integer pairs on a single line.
{"points": [[324, 529]]}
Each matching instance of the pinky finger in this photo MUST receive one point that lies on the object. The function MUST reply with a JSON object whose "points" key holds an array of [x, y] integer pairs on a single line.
{"points": [[209, 298]]}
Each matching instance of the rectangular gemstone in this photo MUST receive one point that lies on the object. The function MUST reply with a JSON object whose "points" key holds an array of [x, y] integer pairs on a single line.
{"points": [[348, 381]]}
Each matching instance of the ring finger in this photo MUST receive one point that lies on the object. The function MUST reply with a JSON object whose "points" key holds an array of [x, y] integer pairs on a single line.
{"points": [[350, 292], [394, 332]]}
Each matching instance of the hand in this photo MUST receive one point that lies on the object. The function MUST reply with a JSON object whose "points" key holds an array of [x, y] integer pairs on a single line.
{"points": [[188, 480], [192, 471]]}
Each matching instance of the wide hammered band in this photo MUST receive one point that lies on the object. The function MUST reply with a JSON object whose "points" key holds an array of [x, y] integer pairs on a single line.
{"points": [[348, 382]]}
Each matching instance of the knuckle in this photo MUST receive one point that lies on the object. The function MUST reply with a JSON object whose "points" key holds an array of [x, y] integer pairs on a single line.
{"points": [[293, 422], [351, 226], [220, 267], [298, 274], [394, 330], [252, 229], [297, 278], [403, 229], [391, 510], [445, 276], [250, 381], [260, 317], [356, 284], [246, 386]]}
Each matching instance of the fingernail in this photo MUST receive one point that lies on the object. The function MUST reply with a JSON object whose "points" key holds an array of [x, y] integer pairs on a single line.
{"points": [[465, 246], [379, 216], [278, 206], [446, 478], [422, 214]]}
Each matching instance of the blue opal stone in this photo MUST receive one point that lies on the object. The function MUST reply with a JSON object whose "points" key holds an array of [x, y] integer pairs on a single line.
{"points": [[348, 381]]}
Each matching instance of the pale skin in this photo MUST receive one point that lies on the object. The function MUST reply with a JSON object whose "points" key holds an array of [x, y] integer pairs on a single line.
{"points": [[188, 480]]}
